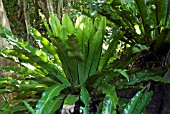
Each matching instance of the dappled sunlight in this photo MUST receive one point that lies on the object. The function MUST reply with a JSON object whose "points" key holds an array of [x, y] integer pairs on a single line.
{"points": [[89, 56], [137, 28], [28, 66]]}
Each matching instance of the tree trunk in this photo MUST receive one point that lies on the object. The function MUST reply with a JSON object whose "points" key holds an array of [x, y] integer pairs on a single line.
{"points": [[166, 103], [27, 17], [4, 21], [160, 103], [50, 5]]}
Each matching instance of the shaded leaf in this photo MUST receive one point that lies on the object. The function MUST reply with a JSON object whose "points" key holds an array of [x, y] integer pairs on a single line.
{"points": [[133, 102], [107, 106], [56, 104], [123, 73], [142, 103], [45, 23], [71, 99], [111, 96], [85, 98], [29, 107]]}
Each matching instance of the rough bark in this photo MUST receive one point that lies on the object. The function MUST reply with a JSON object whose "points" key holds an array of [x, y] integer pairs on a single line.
{"points": [[166, 100], [50, 5], [68, 7], [42, 5], [4, 21], [27, 18], [156, 104], [160, 102], [60, 9]]}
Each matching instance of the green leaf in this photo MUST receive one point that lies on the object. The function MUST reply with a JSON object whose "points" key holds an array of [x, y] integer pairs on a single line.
{"points": [[102, 25], [144, 13], [107, 106], [142, 103], [85, 31], [97, 22], [41, 58], [122, 72], [56, 104], [128, 57], [161, 11], [66, 21], [47, 46], [99, 109], [55, 24], [122, 104], [44, 103], [167, 13], [95, 48], [133, 102], [26, 48], [161, 39], [45, 23], [111, 49], [126, 16], [94, 53], [62, 51], [2, 91], [136, 50], [17, 109], [63, 34], [143, 77], [111, 95], [76, 60], [29, 107], [142, 47], [8, 34], [6, 108], [19, 69], [71, 99], [27, 85], [13, 54], [15, 106], [89, 1], [85, 98]]}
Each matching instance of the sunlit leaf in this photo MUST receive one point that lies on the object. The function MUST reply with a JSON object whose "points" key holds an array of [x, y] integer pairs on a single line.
{"points": [[47, 98], [66, 21]]}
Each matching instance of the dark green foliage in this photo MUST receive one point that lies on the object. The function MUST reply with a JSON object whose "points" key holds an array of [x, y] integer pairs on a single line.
{"points": [[72, 63], [137, 103]]}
